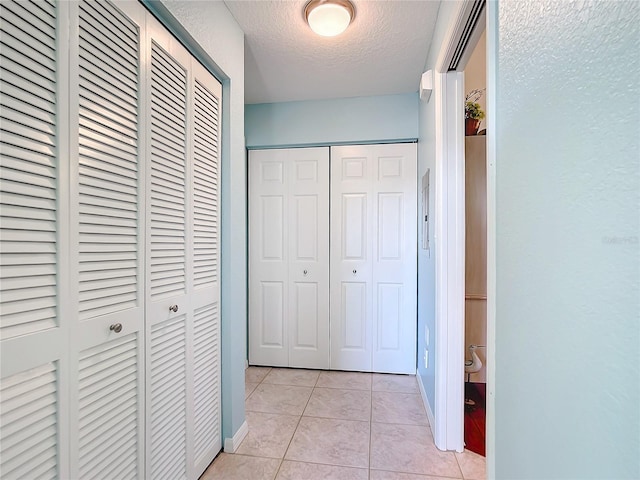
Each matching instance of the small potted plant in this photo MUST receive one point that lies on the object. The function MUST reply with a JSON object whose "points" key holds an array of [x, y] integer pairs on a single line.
{"points": [[473, 112]]}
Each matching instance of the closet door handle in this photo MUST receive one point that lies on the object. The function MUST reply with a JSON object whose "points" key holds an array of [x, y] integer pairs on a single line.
{"points": [[304, 272], [116, 327], [173, 308], [355, 271]]}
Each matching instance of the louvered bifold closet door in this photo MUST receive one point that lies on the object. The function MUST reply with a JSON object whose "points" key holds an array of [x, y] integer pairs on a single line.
{"points": [[205, 224], [34, 325], [182, 316], [107, 213]]}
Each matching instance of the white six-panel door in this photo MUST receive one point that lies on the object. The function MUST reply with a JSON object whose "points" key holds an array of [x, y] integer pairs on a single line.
{"points": [[289, 257], [373, 258]]}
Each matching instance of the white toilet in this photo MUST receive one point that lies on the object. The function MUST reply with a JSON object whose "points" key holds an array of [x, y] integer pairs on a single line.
{"points": [[472, 366]]}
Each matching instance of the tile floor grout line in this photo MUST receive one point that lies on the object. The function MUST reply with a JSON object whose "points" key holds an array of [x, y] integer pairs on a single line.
{"points": [[297, 425]]}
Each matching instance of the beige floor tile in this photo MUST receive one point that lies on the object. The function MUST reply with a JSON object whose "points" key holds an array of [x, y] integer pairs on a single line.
{"points": [[393, 407], [256, 374], [409, 449], [337, 403], [292, 376], [395, 383], [382, 475], [473, 466], [241, 467], [249, 387], [269, 434], [345, 380], [283, 399], [314, 471], [332, 442]]}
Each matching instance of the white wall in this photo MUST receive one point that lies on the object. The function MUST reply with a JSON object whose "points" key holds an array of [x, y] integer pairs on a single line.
{"points": [[387, 118], [567, 378], [220, 42]]}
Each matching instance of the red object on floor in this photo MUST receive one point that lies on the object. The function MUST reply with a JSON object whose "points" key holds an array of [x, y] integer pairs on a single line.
{"points": [[475, 417]]}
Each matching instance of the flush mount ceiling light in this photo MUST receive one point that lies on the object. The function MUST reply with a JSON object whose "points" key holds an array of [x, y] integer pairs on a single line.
{"points": [[329, 17]]}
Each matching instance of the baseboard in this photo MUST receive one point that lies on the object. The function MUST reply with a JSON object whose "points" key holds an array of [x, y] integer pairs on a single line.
{"points": [[232, 444], [427, 407]]}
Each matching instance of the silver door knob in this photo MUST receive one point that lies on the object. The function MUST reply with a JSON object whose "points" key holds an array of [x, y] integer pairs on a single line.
{"points": [[116, 327], [355, 271], [173, 308], [305, 272]]}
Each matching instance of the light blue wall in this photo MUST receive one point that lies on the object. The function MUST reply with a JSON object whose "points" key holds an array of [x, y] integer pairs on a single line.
{"points": [[221, 42], [426, 262], [567, 379], [331, 122]]}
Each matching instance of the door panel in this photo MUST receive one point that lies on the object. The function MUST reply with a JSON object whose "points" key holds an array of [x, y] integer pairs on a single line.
{"points": [[168, 398], [308, 266], [108, 409], [354, 317], [395, 259], [30, 415], [182, 320], [373, 258], [203, 381], [34, 241], [288, 257], [108, 251], [272, 328], [268, 344], [350, 269]]}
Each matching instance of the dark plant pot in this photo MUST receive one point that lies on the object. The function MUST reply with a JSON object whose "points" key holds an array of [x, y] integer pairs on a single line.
{"points": [[471, 126]]}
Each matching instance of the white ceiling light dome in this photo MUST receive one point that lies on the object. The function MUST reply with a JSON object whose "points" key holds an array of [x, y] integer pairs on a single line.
{"points": [[329, 17]]}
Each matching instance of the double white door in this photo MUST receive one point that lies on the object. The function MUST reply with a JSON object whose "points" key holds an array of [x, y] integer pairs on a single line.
{"points": [[289, 257], [371, 325]]}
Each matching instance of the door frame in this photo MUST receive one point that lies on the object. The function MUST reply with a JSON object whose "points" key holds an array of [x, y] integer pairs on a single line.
{"points": [[450, 228]]}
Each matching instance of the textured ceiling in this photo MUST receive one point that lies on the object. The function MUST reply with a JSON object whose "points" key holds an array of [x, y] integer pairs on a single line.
{"points": [[382, 52]]}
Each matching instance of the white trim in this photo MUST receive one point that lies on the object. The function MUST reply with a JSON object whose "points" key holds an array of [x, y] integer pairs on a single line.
{"points": [[492, 69], [427, 405], [232, 444], [450, 234]]}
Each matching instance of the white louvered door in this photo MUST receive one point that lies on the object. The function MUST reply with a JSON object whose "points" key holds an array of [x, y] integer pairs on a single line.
{"points": [[183, 353], [107, 192], [106, 167], [204, 372], [167, 239], [34, 241]]}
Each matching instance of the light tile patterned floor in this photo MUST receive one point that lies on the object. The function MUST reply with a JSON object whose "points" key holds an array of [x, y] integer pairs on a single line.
{"points": [[310, 424]]}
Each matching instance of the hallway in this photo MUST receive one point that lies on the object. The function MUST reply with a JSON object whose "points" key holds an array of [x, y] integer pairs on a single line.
{"points": [[309, 424]]}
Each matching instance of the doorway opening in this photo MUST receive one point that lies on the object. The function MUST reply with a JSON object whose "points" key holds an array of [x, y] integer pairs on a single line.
{"points": [[475, 298]]}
